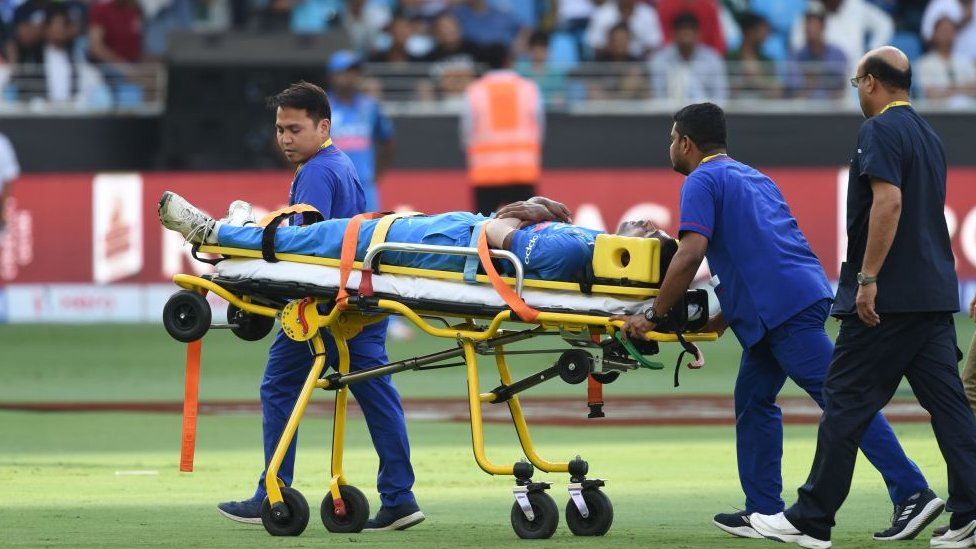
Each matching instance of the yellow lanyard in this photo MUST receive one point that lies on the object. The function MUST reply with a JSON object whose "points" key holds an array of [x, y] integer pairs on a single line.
{"points": [[711, 157], [895, 104], [326, 145]]}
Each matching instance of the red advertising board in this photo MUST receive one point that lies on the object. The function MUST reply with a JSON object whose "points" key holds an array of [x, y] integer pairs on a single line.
{"points": [[81, 228]]}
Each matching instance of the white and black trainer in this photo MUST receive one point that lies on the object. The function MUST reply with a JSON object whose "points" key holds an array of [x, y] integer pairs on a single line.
{"points": [[959, 537], [777, 527], [239, 213], [912, 516], [736, 524], [176, 214]]}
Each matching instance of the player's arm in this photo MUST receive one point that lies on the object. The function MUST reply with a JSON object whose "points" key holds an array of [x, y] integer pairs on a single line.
{"points": [[882, 225]]}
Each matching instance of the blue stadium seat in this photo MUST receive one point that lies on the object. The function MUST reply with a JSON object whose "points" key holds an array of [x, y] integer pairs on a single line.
{"points": [[563, 50], [908, 42]]}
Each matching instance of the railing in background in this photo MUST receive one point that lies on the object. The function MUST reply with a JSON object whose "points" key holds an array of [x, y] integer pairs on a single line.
{"points": [[82, 88]]}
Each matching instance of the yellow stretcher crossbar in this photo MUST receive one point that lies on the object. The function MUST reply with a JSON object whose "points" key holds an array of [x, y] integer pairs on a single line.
{"points": [[626, 291]]}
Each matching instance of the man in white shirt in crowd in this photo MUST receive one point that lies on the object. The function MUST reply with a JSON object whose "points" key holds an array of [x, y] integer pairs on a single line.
{"points": [[687, 70], [963, 14], [945, 75], [854, 26], [644, 24]]}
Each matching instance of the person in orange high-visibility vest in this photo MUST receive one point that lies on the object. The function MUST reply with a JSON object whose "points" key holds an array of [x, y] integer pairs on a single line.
{"points": [[502, 127]]}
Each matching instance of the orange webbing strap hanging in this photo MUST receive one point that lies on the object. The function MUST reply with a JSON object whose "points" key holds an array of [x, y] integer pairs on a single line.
{"points": [[288, 211], [191, 397], [350, 240], [512, 299], [594, 397]]}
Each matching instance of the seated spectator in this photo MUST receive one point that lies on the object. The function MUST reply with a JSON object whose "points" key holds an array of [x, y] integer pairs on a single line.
{"points": [[818, 70], [364, 22], [276, 16], [448, 44], [573, 17], [627, 77], [536, 67], [399, 31], [854, 26], [425, 10], [781, 16], [751, 73], [115, 42], [27, 45], [963, 14], [688, 71], [707, 13], [485, 26], [944, 75], [60, 70], [641, 19]]}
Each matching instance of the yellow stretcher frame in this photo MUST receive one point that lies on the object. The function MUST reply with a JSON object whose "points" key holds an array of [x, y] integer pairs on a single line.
{"points": [[346, 324]]}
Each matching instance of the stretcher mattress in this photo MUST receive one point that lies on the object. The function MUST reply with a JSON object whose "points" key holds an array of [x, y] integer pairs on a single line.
{"points": [[435, 290]]}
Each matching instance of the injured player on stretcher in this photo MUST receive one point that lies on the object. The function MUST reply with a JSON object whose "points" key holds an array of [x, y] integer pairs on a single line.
{"points": [[537, 231]]}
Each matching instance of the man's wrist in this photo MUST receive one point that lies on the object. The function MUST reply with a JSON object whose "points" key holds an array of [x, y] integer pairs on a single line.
{"points": [[864, 279]]}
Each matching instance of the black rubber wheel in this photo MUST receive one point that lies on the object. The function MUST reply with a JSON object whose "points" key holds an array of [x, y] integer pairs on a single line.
{"points": [[250, 327], [601, 514], [357, 511], [186, 316], [546, 517], [291, 520], [574, 366], [605, 378]]}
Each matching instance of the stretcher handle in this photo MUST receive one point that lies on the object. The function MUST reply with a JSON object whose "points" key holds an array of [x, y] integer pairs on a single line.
{"points": [[378, 249], [635, 354]]}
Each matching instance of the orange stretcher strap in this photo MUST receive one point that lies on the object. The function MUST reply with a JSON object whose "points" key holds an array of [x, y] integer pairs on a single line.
{"points": [[191, 396], [289, 211], [512, 299], [350, 240]]}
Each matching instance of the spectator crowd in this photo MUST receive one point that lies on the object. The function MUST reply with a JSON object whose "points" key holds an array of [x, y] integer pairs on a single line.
{"points": [[679, 50]]}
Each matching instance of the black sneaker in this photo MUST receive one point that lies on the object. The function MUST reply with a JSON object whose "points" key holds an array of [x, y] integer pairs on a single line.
{"points": [[912, 516], [736, 524], [400, 517], [247, 511]]}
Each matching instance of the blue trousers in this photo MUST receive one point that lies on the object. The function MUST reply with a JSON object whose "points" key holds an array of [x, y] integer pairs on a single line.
{"points": [[289, 363], [801, 350]]}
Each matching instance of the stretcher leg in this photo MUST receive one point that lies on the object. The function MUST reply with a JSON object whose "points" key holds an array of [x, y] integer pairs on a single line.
{"points": [[521, 427], [339, 421], [271, 482], [474, 404]]}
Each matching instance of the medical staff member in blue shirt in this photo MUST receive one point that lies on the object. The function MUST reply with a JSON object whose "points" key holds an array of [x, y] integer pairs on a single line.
{"points": [[326, 179], [775, 298], [359, 127]]}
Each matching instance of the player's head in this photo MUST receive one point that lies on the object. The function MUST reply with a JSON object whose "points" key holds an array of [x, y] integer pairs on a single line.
{"points": [[303, 119], [883, 75], [345, 72], [698, 131]]}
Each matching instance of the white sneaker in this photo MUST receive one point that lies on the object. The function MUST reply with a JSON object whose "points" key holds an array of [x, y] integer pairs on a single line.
{"points": [[962, 537], [777, 527], [176, 214], [239, 213]]}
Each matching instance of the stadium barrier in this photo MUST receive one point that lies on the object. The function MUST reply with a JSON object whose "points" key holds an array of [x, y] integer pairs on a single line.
{"points": [[88, 247]]}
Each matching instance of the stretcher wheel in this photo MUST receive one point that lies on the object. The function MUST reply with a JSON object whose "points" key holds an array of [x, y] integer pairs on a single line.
{"points": [[574, 366], [288, 518], [546, 517], [600, 514], [186, 316], [250, 327], [356, 507]]}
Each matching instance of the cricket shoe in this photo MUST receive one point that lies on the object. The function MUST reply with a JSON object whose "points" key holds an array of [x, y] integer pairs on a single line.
{"points": [[960, 537], [777, 527], [176, 214], [736, 524]]}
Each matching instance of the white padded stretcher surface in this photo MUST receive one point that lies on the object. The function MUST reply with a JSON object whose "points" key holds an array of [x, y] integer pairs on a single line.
{"points": [[412, 287]]}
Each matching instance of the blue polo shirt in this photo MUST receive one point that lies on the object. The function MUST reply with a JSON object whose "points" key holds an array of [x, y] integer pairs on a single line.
{"points": [[766, 269], [328, 181]]}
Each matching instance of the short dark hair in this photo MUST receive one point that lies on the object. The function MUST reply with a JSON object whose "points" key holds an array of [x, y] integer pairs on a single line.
{"points": [[685, 20], [539, 38], [751, 20], [704, 124], [496, 56], [891, 77], [304, 96]]}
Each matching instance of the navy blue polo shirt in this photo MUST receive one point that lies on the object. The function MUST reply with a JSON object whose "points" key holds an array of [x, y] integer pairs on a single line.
{"points": [[766, 269], [919, 274], [328, 181]]}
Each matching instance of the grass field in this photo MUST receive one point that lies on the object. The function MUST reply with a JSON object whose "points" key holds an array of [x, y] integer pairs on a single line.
{"points": [[67, 476]]}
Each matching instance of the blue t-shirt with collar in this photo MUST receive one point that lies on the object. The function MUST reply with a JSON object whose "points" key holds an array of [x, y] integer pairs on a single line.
{"points": [[328, 181], [766, 269]]}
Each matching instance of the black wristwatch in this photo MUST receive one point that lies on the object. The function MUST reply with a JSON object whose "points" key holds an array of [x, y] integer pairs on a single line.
{"points": [[650, 314]]}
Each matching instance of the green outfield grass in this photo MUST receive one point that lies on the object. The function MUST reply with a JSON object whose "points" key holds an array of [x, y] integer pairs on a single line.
{"points": [[59, 471]]}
